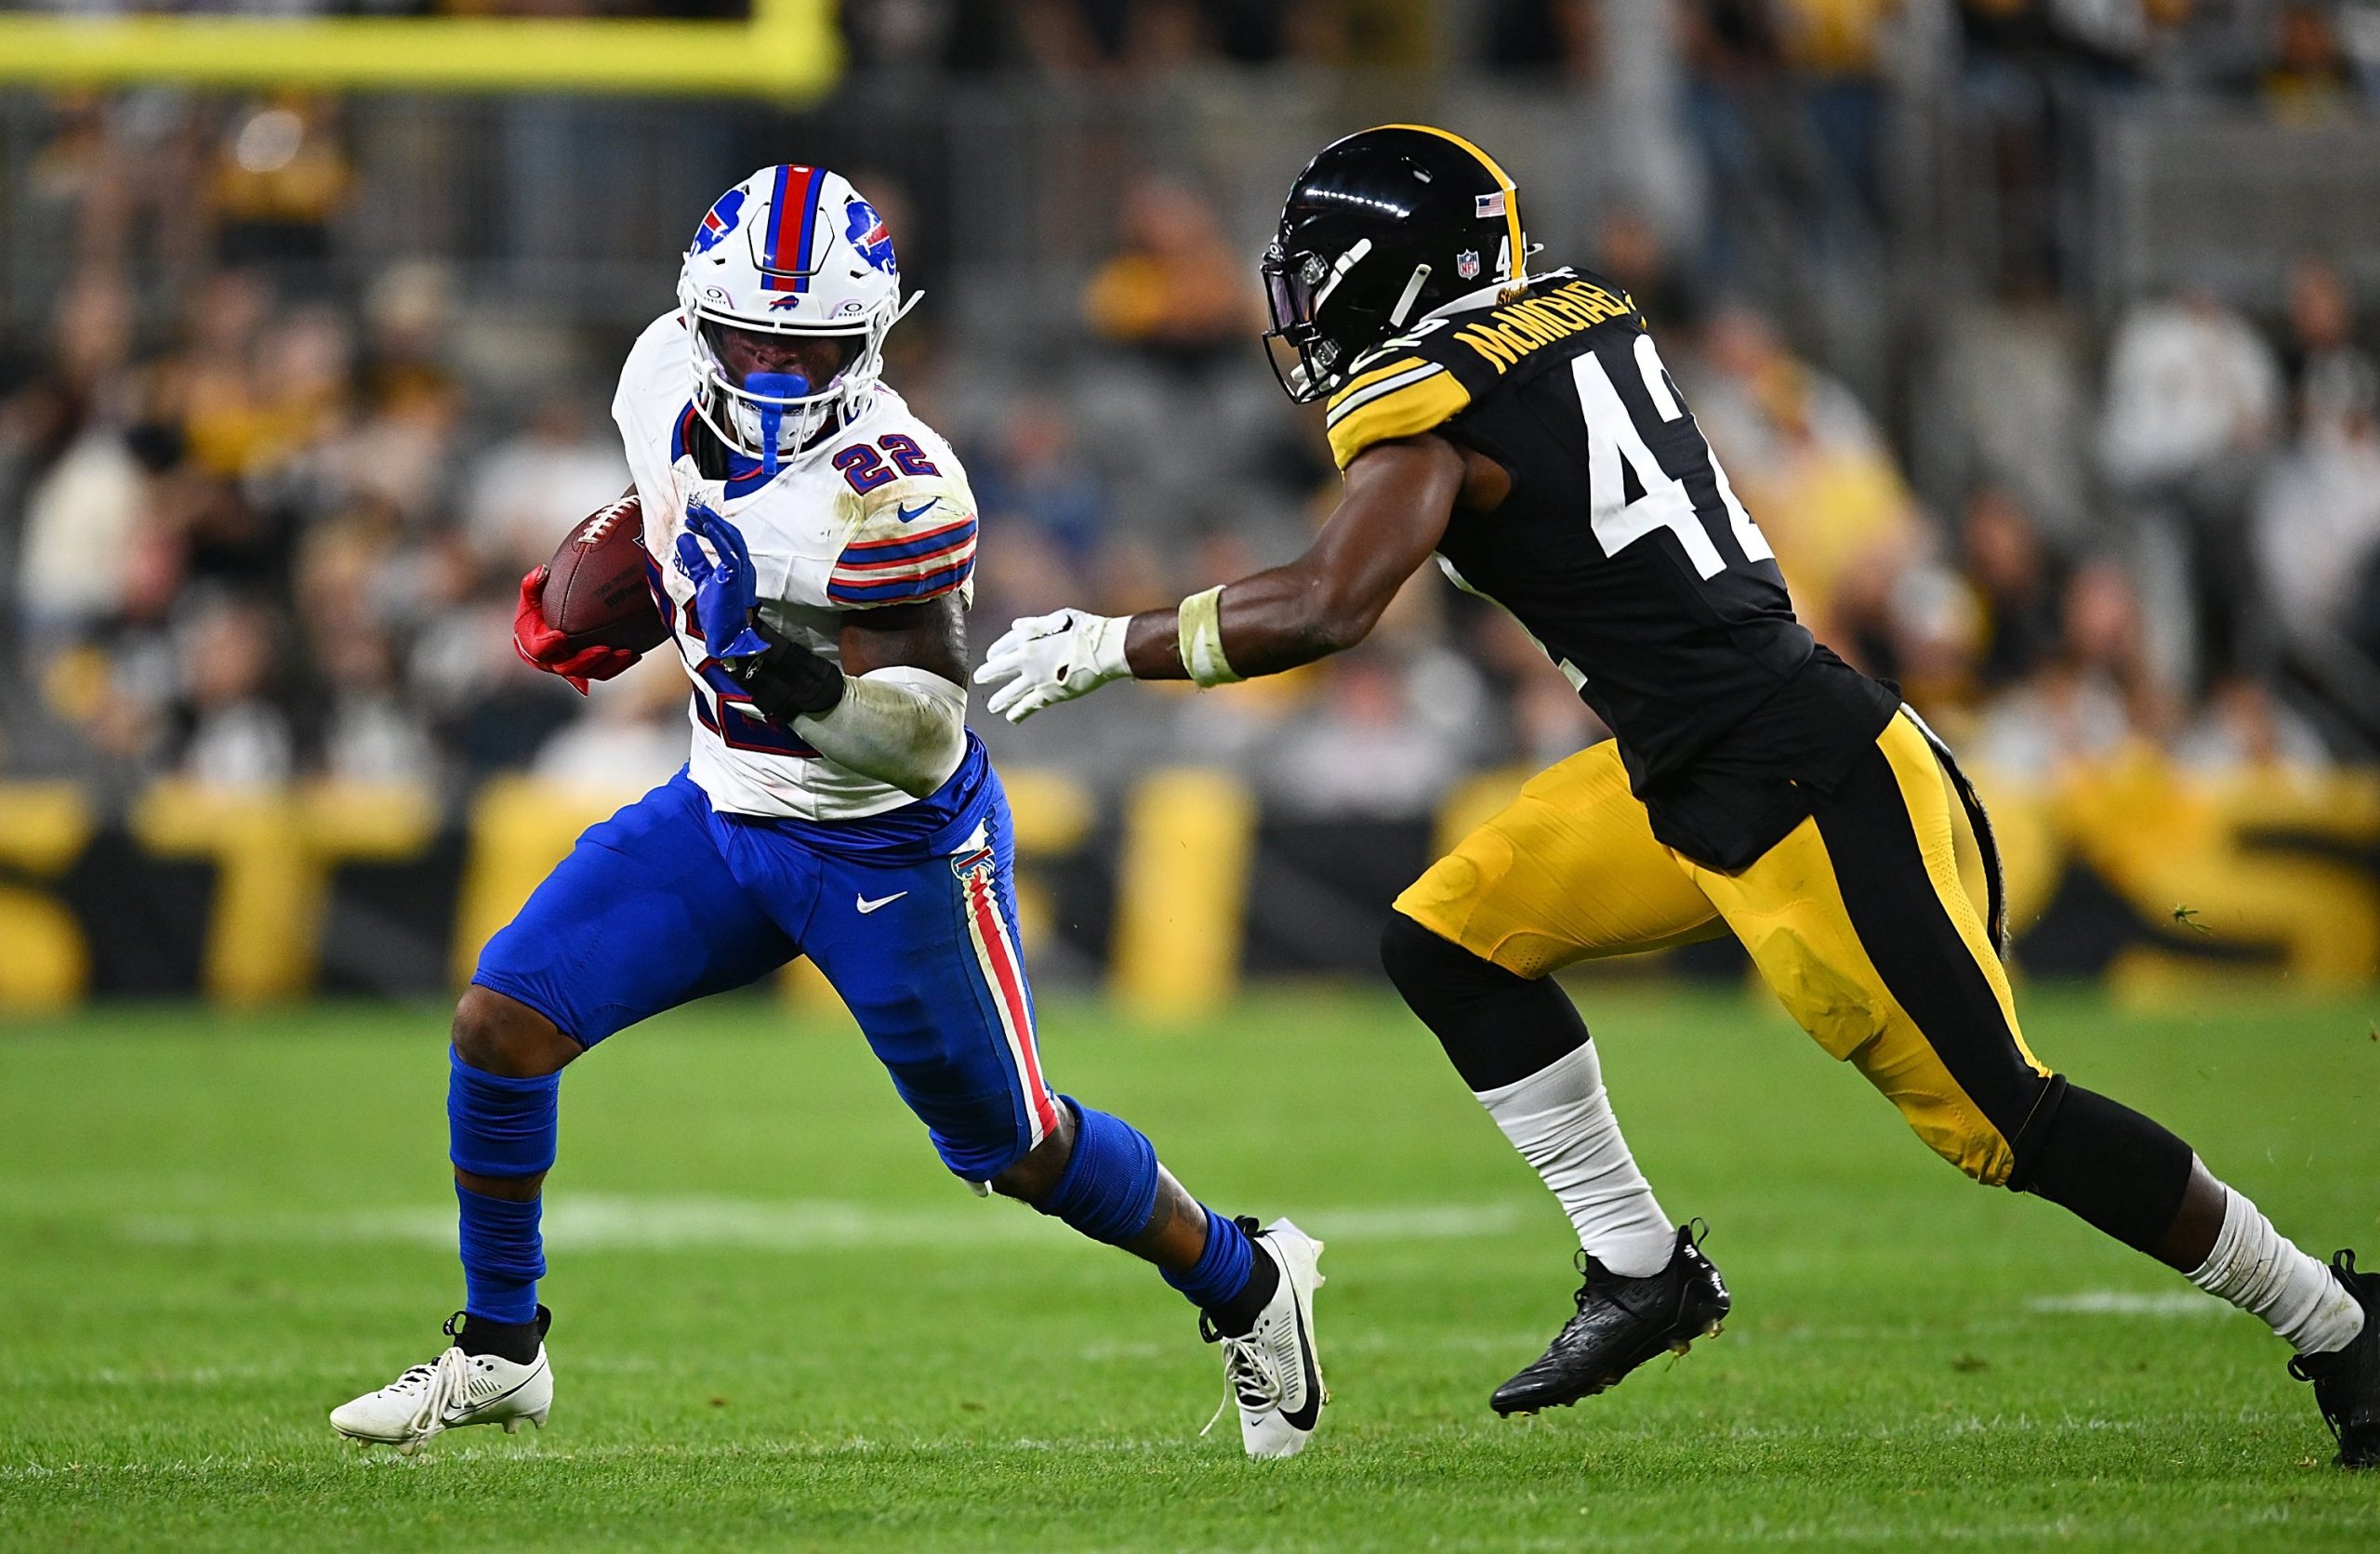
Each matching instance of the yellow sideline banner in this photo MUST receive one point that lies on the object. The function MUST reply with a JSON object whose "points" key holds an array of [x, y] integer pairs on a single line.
{"points": [[789, 52], [2158, 881], [2279, 861], [1181, 893], [273, 853], [44, 963]]}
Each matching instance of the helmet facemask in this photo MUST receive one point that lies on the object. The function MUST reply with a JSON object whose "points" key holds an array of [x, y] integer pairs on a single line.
{"points": [[1298, 285], [1293, 288], [799, 415]]}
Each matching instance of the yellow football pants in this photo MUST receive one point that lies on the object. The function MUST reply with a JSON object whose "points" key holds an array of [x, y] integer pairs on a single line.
{"points": [[1867, 921]]}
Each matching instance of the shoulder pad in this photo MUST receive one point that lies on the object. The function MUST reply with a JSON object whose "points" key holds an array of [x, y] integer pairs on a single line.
{"points": [[1421, 380], [644, 407]]}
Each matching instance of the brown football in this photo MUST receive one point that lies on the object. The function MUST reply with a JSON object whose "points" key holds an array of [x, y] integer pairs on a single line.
{"points": [[595, 589]]}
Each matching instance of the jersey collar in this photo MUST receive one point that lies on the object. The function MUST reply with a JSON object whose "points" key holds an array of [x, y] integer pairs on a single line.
{"points": [[1486, 295]]}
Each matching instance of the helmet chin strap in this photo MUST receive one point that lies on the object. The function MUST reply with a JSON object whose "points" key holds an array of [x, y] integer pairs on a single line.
{"points": [[766, 387], [1412, 294], [1347, 262]]}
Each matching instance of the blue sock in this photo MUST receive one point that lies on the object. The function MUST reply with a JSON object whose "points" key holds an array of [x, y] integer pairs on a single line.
{"points": [[507, 1128], [1108, 1189], [503, 1257], [1109, 1192], [1223, 1269]]}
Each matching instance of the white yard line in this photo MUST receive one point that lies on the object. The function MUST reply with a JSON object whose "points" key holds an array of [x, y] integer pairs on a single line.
{"points": [[2127, 1303], [581, 1222]]}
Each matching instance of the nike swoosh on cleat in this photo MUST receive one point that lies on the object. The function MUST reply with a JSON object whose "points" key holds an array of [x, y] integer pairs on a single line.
{"points": [[866, 906], [907, 514], [491, 1403], [1303, 1420]]}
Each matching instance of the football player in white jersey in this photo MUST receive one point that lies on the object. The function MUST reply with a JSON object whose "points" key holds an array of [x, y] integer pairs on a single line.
{"points": [[811, 544]]}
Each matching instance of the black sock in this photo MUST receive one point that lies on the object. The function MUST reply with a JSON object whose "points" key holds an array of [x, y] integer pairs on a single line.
{"points": [[1236, 1317], [1497, 1027], [516, 1341]]}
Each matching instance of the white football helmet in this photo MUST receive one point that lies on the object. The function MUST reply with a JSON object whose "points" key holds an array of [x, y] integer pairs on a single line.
{"points": [[791, 250]]}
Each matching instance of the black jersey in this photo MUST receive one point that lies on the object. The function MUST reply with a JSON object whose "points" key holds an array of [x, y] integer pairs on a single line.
{"points": [[1624, 552]]}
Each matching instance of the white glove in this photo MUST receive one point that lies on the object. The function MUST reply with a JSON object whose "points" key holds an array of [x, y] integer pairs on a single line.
{"points": [[1048, 659]]}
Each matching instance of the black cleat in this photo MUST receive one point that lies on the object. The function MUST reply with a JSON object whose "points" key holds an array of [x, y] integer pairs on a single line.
{"points": [[2347, 1381], [1621, 1324]]}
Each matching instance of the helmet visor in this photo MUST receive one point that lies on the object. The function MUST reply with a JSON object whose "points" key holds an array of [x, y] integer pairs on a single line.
{"points": [[1290, 283]]}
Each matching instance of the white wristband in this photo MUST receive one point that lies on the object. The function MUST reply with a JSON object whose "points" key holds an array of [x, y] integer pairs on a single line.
{"points": [[1201, 638]]}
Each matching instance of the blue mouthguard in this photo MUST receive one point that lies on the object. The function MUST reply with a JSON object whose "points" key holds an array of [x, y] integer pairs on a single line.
{"points": [[773, 386]]}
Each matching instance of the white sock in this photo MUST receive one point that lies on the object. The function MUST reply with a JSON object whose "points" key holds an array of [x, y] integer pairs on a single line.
{"points": [[2253, 1268], [1561, 1122]]}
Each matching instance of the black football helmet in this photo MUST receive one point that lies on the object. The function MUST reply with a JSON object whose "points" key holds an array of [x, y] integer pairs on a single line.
{"points": [[1381, 229]]}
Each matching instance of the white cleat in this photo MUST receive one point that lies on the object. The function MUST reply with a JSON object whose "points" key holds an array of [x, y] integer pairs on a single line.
{"points": [[1274, 1373], [451, 1391]]}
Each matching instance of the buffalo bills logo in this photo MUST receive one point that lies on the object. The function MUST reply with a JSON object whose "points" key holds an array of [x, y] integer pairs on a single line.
{"points": [[782, 304], [719, 220], [868, 234]]}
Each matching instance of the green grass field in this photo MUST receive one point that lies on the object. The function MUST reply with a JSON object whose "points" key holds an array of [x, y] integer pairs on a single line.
{"points": [[781, 1325]]}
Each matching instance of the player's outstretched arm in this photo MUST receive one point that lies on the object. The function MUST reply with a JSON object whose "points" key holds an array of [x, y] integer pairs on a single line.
{"points": [[1399, 496]]}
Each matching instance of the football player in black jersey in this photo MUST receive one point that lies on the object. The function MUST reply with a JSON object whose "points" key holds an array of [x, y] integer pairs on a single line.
{"points": [[1521, 427]]}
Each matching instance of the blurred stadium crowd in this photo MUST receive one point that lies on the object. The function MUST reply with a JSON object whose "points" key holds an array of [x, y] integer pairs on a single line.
{"points": [[259, 524]]}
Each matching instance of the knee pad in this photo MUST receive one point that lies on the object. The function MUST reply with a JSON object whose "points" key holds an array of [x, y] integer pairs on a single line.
{"points": [[1497, 1027], [499, 1127], [1109, 1189], [2113, 1168]]}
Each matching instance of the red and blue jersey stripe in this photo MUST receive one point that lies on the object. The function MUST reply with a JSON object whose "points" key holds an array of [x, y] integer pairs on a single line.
{"points": [[898, 570]]}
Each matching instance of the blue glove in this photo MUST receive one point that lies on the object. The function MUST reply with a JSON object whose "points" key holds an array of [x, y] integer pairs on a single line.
{"points": [[725, 593]]}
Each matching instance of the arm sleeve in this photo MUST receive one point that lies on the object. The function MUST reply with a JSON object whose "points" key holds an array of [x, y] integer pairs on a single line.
{"points": [[904, 725]]}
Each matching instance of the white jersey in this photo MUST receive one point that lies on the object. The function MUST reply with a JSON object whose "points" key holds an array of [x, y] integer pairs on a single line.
{"points": [[881, 516]]}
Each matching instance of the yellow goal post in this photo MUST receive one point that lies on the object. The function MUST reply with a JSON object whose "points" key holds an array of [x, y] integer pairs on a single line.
{"points": [[789, 52]]}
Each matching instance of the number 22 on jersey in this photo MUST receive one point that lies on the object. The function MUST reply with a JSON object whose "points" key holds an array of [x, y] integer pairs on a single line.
{"points": [[864, 468], [1612, 437]]}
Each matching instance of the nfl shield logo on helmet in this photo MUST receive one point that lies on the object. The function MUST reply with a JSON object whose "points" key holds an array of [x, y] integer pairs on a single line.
{"points": [[869, 235], [1466, 264], [719, 220]]}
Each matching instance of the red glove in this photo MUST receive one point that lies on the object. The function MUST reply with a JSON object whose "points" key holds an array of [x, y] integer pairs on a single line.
{"points": [[541, 647]]}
